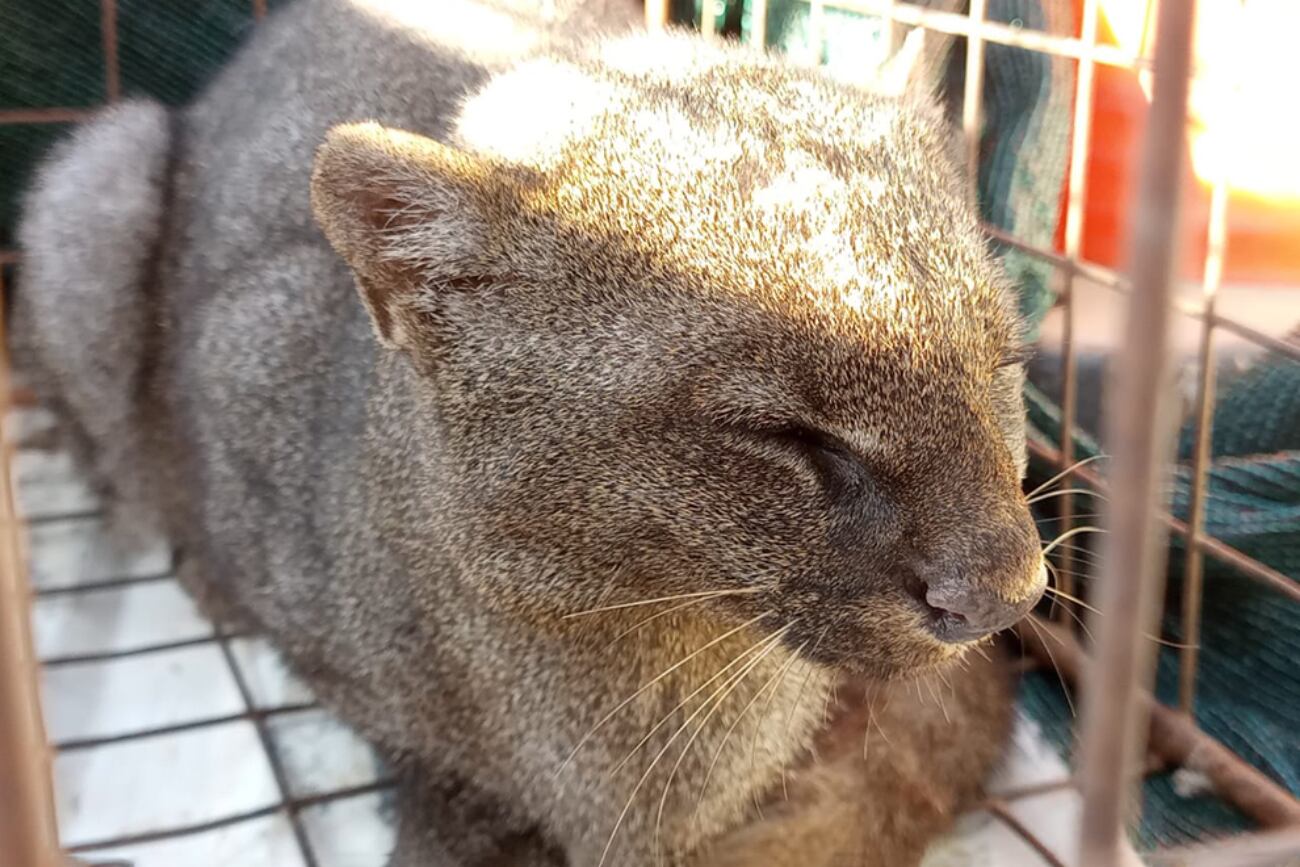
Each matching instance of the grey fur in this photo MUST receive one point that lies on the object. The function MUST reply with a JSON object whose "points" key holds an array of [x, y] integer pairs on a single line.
{"points": [[583, 332]]}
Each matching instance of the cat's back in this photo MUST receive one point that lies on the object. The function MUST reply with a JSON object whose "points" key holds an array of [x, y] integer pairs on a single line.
{"points": [[247, 144]]}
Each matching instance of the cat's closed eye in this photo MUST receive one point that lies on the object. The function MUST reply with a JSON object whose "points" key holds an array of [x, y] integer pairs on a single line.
{"points": [[842, 470]]}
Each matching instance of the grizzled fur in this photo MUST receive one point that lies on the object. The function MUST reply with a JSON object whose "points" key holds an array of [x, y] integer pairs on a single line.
{"points": [[637, 318]]}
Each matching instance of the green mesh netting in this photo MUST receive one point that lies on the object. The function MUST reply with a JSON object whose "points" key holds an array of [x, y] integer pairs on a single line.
{"points": [[50, 56]]}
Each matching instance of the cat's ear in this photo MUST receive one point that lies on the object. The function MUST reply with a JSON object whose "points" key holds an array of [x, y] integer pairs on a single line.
{"points": [[411, 216]]}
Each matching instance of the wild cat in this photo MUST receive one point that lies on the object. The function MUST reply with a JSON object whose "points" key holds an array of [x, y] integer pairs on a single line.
{"points": [[618, 432]]}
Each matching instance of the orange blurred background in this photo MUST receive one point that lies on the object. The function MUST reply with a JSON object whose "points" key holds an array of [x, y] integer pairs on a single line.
{"points": [[1243, 121]]}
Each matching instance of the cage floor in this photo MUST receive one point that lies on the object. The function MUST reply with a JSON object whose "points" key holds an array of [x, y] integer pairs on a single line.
{"points": [[179, 745]]}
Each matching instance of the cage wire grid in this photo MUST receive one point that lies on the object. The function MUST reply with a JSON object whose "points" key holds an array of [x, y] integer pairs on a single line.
{"points": [[1116, 713]]}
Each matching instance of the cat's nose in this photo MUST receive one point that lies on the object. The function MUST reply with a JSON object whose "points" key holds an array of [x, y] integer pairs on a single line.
{"points": [[962, 611]]}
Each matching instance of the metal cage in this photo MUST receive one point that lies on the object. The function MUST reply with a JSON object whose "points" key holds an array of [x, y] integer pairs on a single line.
{"points": [[1121, 718]]}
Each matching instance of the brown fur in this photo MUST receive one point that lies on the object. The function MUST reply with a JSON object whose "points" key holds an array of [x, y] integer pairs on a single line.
{"points": [[602, 291]]}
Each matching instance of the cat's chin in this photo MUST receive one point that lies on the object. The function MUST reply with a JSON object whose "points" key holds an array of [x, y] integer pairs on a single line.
{"points": [[902, 660]]}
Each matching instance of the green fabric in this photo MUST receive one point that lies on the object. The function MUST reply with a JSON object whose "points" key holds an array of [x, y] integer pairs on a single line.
{"points": [[51, 56], [1024, 150]]}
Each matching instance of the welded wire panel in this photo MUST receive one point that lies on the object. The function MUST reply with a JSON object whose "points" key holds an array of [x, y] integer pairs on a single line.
{"points": [[305, 817]]}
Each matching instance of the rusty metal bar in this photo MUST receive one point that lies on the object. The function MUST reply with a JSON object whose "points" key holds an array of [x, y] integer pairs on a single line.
{"points": [[656, 14], [1139, 416], [758, 24], [28, 833], [108, 36], [1035, 789], [1288, 348], [273, 757], [1194, 571], [1220, 551], [1264, 849], [817, 27], [12, 116], [895, 32], [999, 809], [1108, 278], [973, 96], [709, 18], [1174, 737], [1080, 145], [957, 24]]}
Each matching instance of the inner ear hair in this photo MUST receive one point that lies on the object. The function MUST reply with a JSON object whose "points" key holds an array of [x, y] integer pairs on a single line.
{"points": [[404, 212]]}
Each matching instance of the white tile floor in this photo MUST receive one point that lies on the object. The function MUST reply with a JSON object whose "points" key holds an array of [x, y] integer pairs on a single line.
{"points": [[161, 764]]}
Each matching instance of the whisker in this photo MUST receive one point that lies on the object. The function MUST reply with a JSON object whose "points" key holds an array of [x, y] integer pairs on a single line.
{"points": [[1081, 517], [702, 594], [866, 729], [1070, 534], [663, 799], [1063, 473], [1056, 576], [767, 708], [1066, 492], [1086, 557], [798, 700], [826, 706], [1077, 619], [1076, 600], [1167, 643], [726, 737], [1066, 546], [1064, 689], [1091, 565], [655, 761], [626, 632], [948, 683], [938, 696], [685, 701], [625, 702], [872, 720]]}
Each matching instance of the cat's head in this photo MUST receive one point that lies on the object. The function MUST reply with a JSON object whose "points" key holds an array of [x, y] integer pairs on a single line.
{"points": [[689, 321]]}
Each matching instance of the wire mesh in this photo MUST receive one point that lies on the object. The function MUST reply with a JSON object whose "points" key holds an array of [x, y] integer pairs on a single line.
{"points": [[1233, 777], [1173, 735], [27, 826]]}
